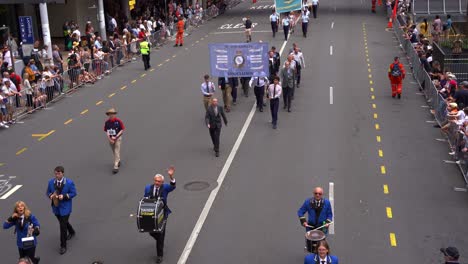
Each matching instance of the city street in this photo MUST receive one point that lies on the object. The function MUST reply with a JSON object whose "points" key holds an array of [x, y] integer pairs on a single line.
{"points": [[392, 191]]}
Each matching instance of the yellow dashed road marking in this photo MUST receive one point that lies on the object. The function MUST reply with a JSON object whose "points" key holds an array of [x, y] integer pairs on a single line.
{"points": [[160, 65], [21, 151], [100, 102], [168, 60], [68, 121], [374, 106], [378, 138], [383, 170], [151, 70], [110, 95], [84, 111], [173, 56], [143, 75], [371, 82], [372, 89], [385, 189], [372, 97], [380, 153], [134, 81], [393, 242], [377, 126], [375, 116], [123, 87], [389, 212]]}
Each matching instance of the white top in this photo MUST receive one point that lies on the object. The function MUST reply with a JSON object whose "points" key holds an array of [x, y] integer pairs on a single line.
{"points": [[77, 32], [299, 58], [274, 91], [315, 2], [209, 91], [7, 57], [286, 21], [27, 86], [274, 17], [258, 81]]}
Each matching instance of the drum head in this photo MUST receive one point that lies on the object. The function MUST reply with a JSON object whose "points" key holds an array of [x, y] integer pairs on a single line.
{"points": [[315, 235]]}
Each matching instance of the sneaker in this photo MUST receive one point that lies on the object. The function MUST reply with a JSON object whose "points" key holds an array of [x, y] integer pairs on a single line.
{"points": [[6, 126], [458, 162], [452, 153]]}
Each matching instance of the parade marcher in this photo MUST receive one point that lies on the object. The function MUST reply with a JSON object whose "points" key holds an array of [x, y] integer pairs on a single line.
{"points": [[285, 22], [248, 29], [396, 74], [274, 20], [180, 32], [305, 21], [208, 90], [61, 192], [315, 6], [114, 128], [226, 89], [26, 229], [276, 58], [319, 212], [323, 256], [145, 53], [451, 255], [213, 116], [287, 76], [300, 63], [162, 190], [245, 85], [259, 83], [274, 94], [272, 65]]}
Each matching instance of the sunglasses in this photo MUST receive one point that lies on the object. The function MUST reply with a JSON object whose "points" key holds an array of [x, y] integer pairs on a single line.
{"points": [[318, 193]]}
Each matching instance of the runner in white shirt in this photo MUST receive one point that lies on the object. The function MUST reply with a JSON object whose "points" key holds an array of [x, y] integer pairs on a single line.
{"points": [[274, 20]]}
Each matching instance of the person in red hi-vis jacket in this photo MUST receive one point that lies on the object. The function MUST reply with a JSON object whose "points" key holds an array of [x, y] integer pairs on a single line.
{"points": [[396, 74], [180, 32], [373, 5]]}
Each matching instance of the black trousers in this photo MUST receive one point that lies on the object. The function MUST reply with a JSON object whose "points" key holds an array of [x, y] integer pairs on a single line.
{"points": [[234, 94], [245, 86], [159, 238], [287, 95], [304, 28], [274, 105], [286, 32], [259, 93], [146, 61], [65, 228], [298, 73], [314, 10], [50, 93], [215, 132], [28, 253], [274, 27]]}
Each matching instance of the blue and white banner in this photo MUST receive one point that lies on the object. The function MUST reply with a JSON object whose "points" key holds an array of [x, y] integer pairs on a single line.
{"points": [[238, 59], [283, 6], [26, 29]]}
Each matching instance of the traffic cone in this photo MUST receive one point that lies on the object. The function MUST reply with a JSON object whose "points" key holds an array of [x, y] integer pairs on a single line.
{"points": [[390, 23]]}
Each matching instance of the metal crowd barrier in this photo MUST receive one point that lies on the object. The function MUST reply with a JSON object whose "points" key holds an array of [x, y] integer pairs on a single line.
{"points": [[434, 99]]}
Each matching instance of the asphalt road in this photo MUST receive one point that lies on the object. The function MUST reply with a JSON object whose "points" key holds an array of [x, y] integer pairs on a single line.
{"points": [[379, 152]]}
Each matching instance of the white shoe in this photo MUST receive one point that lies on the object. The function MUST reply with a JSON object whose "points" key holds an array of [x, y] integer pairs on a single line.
{"points": [[452, 153], [5, 126]]}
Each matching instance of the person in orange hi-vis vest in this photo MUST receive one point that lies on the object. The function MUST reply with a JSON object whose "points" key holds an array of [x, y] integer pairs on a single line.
{"points": [[180, 32], [396, 74]]}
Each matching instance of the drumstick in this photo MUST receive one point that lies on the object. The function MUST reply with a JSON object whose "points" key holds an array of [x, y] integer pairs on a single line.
{"points": [[319, 226]]}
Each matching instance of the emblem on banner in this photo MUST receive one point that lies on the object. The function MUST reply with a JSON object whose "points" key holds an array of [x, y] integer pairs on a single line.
{"points": [[239, 59]]}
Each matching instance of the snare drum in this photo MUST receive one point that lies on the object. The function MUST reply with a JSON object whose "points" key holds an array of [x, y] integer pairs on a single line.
{"points": [[150, 215], [312, 239]]}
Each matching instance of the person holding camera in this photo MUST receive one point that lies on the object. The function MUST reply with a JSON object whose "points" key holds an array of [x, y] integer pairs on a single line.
{"points": [[61, 191], [26, 229]]}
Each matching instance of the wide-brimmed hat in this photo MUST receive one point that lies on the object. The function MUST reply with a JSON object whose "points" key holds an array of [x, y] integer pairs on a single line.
{"points": [[111, 111]]}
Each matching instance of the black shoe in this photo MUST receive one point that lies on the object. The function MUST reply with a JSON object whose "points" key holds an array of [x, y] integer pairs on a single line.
{"points": [[181, 45], [70, 236], [261, 109], [159, 259], [176, 45], [115, 171], [289, 110], [393, 96], [399, 96], [217, 153], [274, 126], [62, 250]]}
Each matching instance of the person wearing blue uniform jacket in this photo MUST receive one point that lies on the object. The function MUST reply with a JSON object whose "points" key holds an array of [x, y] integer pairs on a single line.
{"points": [[162, 190], [61, 192], [323, 256], [26, 226], [318, 209]]}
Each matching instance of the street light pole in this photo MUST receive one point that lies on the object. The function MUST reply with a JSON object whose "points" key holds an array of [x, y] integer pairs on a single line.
{"points": [[101, 20], [45, 28]]}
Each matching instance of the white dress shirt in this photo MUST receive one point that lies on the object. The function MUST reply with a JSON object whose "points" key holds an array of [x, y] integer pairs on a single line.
{"points": [[258, 81], [274, 91], [208, 89], [299, 57], [274, 17]]}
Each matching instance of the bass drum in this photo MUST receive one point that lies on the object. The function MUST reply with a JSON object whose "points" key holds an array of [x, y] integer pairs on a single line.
{"points": [[313, 237], [150, 215]]}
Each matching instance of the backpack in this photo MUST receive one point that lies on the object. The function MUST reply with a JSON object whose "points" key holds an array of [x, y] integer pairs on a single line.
{"points": [[396, 71]]}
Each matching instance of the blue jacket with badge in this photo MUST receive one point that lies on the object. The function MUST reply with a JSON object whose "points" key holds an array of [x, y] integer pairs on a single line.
{"points": [[166, 189], [22, 232], [315, 259], [68, 192], [325, 214]]}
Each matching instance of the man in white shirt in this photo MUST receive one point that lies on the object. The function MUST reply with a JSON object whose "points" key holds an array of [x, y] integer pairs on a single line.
{"points": [[274, 20], [208, 89], [305, 21], [258, 82], [274, 94], [285, 23], [300, 63], [315, 5]]}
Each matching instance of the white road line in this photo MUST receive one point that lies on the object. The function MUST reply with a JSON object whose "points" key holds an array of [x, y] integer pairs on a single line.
{"points": [[331, 198], [10, 192], [331, 95], [237, 32], [331, 49], [222, 175], [332, 24]]}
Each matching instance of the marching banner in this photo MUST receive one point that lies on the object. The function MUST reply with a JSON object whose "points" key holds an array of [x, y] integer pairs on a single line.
{"points": [[283, 6], [238, 59]]}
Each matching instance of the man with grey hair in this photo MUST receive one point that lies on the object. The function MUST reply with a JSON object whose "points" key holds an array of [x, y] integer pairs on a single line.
{"points": [[161, 190]]}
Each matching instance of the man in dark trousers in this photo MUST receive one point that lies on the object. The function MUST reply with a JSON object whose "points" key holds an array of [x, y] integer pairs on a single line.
{"points": [[248, 29], [214, 124], [153, 191], [287, 76], [259, 82], [61, 192], [145, 53]]}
